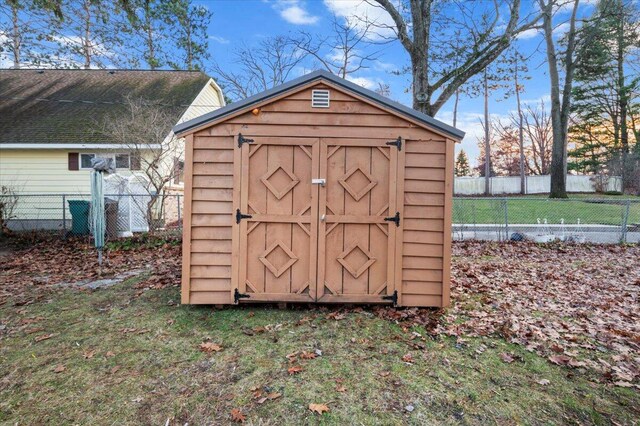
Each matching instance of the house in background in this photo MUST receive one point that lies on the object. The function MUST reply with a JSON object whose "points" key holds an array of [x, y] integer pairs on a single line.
{"points": [[49, 121]]}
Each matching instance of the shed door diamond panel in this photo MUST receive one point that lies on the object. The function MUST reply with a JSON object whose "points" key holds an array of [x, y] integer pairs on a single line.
{"points": [[356, 243], [279, 241]]}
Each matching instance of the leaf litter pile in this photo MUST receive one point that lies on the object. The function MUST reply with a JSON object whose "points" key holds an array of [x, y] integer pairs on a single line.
{"points": [[34, 267], [576, 305]]}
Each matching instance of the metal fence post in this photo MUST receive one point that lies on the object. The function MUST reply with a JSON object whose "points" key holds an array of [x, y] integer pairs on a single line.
{"points": [[506, 218], [64, 213], [179, 215], [625, 221]]}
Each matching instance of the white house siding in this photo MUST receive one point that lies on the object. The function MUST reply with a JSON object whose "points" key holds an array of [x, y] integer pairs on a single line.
{"points": [[209, 99], [43, 171]]}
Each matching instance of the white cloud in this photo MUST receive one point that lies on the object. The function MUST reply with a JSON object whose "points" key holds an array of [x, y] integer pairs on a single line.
{"points": [[359, 12], [365, 82], [528, 34], [293, 12], [219, 39], [561, 29]]}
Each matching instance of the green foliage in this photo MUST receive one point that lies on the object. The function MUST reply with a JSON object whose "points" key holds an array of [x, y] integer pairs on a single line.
{"points": [[192, 41], [462, 164], [102, 34], [604, 95]]}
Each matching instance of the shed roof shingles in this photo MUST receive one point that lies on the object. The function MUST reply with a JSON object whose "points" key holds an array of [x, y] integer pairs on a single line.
{"points": [[70, 106]]}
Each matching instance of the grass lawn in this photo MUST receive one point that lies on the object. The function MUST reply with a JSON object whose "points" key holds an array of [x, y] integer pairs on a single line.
{"points": [[130, 354], [526, 210], [133, 360]]}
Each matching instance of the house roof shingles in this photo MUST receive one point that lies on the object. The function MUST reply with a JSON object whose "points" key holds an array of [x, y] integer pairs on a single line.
{"points": [[69, 106]]}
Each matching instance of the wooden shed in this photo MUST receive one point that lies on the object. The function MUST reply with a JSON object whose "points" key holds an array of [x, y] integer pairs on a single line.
{"points": [[317, 191]]}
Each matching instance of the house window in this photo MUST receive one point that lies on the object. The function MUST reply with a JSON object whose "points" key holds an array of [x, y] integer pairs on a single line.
{"points": [[85, 160], [178, 171], [122, 161]]}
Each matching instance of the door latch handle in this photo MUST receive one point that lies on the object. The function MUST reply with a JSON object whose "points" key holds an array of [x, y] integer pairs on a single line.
{"points": [[320, 182], [323, 218]]}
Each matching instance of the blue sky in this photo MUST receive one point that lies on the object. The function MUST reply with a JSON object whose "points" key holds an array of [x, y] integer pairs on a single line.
{"points": [[247, 21]]}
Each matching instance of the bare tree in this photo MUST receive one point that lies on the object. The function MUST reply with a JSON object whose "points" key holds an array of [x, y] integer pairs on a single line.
{"points": [[344, 52], [259, 67], [538, 130], [560, 100], [423, 30], [144, 129]]}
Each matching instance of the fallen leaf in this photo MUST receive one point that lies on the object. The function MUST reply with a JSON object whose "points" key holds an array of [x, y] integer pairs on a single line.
{"points": [[115, 369], [59, 368], [319, 408], [307, 355], [237, 416], [210, 347], [407, 358], [506, 357], [560, 359], [44, 337], [89, 354], [544, 382], [341, 388], [294, 370], [109, 354]]}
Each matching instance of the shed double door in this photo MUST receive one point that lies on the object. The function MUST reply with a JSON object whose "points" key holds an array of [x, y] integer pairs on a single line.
{"points": [[315, 220]]}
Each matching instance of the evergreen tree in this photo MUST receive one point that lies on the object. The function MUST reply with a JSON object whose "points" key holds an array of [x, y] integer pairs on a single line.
{"points": [[87, 37], [604, 92], [190, 23], [148, 40], [462, 164]]}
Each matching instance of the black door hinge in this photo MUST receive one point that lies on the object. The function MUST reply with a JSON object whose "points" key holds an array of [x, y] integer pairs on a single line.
{"points": [[395, 218], [397, 143], [237, 296], [242, 139], [393, 297], [240, 216]]}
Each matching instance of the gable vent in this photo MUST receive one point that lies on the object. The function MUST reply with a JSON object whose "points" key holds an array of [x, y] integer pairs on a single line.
{"points": [[320, 99]]}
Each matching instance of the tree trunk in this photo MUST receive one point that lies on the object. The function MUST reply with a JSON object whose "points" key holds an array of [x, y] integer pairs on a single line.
{"points": [[455, 108], [419, 68], [16, 35], [86, 42], [523, 188], [487, 146], [622, 96], [151, 51], [559, 108]]}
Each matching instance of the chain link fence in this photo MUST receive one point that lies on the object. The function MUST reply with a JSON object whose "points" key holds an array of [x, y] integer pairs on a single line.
{"points": [[70, 214], [596, 220]]}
